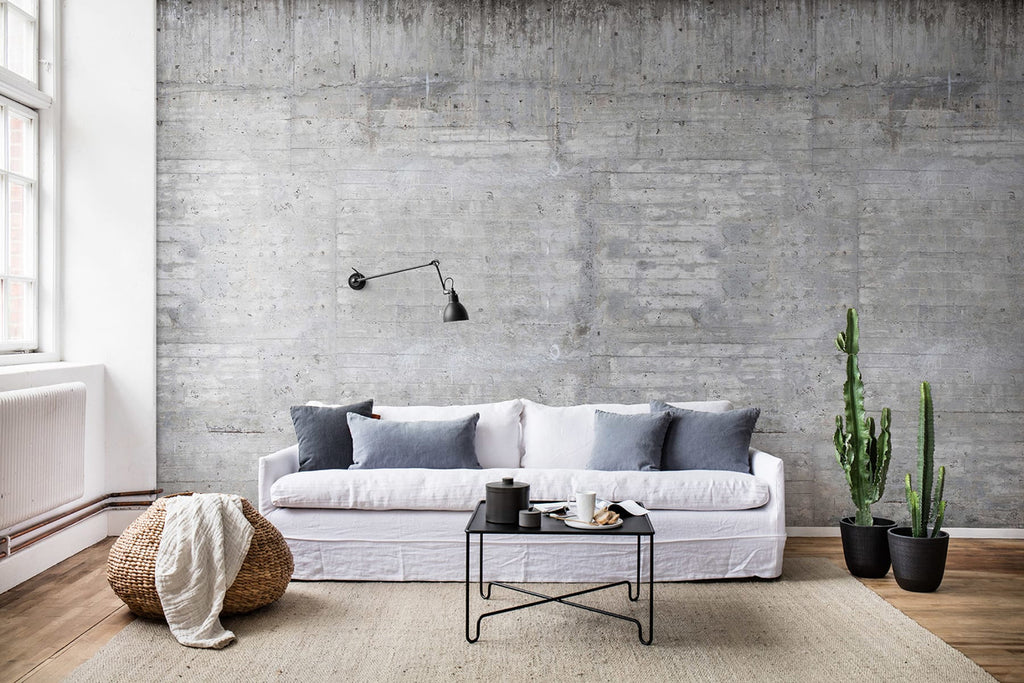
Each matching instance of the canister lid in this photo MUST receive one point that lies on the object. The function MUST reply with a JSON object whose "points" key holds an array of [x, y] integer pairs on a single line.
{"points": [[507, 483]]}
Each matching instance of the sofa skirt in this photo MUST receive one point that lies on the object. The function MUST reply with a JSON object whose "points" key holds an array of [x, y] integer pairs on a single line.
{"points": [[399, 545]]}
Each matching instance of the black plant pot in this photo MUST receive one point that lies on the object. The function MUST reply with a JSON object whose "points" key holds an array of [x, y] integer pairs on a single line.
{"points": [[866, 548], [917, 563]]}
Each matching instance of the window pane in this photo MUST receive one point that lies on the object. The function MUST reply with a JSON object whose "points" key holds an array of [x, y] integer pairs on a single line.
{"points": [[20, 149], [19, 310], [19, 222], [30, 7], [21, 44]]}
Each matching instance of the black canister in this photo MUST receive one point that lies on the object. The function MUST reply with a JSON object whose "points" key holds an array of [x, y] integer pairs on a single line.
{"points": [[505, 499]]}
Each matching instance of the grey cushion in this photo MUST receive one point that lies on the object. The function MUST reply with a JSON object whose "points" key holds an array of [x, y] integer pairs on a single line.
{"points": [[708, 441], [439, 445], [628, 442], [325, 442]]}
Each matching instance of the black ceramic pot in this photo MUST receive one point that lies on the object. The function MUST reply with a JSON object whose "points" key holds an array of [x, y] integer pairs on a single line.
{"points": [[866, 548], [505, 499], [917, 563]]}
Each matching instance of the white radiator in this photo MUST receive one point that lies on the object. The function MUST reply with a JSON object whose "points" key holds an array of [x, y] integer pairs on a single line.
{"points": [[42, 450]]}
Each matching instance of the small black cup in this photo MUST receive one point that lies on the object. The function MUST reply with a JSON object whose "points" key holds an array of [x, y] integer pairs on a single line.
{"points": [[529, 519]]}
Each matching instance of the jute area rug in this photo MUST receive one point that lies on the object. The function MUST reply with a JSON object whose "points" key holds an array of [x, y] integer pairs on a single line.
{"points": [[814, 624]]}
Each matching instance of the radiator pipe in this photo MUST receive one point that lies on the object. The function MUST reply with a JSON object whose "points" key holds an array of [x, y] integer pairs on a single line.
{"points": [[104, 502]]}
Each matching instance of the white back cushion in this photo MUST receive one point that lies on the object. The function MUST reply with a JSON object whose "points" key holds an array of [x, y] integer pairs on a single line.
{"points": [[563, 437], [497, 432]]}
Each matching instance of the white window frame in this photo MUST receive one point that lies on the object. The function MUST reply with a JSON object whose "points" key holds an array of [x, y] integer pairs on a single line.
{"points": [[42, 102]]}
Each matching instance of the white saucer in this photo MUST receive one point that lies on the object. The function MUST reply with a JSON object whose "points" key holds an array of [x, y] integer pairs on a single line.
{"points": [[577, 524]]}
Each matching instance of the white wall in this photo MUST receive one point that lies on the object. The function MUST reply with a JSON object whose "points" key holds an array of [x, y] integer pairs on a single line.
{"points": [[109, 219], [108, 275]]}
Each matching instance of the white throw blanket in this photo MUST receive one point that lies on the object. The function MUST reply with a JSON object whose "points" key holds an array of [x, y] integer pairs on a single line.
{"points": [[205, 539]]}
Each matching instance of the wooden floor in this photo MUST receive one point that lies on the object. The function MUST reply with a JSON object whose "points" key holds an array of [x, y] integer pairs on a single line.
{"points": [[978, 609], [54, 622]]}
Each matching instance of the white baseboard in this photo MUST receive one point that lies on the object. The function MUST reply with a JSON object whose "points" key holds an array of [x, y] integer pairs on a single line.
{"points": [[118, 519], [812, 531], [957, 532]]}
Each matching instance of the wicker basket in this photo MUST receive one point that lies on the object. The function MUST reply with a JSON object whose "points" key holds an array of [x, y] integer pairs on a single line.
{"points": [[263, 578]]}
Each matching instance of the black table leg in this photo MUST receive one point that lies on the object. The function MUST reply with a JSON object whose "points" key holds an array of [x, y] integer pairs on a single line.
{"points": [[650, 593], [480, 576], [639, 564], [468, 637], [563, 599]]}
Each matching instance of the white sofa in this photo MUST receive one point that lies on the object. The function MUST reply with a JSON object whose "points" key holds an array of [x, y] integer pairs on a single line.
{"points": [[409, 524]]}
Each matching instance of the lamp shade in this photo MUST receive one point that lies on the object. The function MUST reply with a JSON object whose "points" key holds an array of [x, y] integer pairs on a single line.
{"points": [[454, 311]]}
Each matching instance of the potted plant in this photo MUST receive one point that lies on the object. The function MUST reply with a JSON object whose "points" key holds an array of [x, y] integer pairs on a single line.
{"points": [[865, 460], [919, 555]]}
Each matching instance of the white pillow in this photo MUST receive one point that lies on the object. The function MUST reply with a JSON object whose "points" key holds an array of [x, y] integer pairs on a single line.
{"points": [[564, 436], [497, 432]]}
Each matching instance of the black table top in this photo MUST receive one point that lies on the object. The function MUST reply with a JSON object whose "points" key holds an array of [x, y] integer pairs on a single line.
{"points": [[631, 526]]}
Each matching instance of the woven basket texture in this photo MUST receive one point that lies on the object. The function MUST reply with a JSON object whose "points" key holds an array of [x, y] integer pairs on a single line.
{"points": [[263, 578]]}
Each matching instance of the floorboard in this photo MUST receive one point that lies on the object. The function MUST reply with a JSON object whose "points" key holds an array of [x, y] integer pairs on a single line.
{"points": [[59, 619]]}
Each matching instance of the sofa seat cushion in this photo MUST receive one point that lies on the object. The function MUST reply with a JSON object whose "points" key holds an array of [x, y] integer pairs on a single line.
{"points": [[426, 489]]}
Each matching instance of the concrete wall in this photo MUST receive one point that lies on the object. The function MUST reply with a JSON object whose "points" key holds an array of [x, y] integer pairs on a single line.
{"points": [[636, 200]]}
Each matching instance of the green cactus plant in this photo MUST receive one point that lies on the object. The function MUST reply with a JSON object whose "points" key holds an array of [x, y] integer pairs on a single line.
{"points": [[920, 502], [863, 457]]}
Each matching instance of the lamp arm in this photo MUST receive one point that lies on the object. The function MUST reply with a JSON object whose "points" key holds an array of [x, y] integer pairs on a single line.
{"points": [[437, 265], [357, 280]]}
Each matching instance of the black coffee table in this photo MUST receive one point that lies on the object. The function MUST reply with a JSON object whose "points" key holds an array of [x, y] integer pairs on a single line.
{"points": [[638, 527]]}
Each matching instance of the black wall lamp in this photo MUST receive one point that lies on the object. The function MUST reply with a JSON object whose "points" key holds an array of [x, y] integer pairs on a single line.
{"points": [[453, 312]]}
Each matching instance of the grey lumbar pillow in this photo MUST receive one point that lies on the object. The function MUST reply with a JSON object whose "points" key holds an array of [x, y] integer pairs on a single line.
{"points": [[708, 441], [628, 442], [439, 445], [325, 442]]}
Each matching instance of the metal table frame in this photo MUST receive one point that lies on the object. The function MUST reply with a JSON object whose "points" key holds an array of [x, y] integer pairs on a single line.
{"points": [[633, 526]]}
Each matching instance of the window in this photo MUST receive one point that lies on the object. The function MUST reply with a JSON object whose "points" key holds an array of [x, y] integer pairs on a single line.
{"points": [[18, 282], [23, 105], [21, 52]]}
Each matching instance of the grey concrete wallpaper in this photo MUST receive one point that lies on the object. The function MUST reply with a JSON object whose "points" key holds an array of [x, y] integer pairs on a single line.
{"points": [[635, 200]]}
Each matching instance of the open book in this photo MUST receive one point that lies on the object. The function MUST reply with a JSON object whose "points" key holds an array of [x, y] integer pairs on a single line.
{"points": [[562, 509], [628, 508]]}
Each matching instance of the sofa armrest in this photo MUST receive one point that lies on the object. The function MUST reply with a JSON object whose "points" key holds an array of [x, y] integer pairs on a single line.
{"points": [[273, 467], [771, 469]]}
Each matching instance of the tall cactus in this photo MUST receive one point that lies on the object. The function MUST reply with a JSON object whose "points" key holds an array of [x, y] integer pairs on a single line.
{"points": [[863, 457], [920, 502]]}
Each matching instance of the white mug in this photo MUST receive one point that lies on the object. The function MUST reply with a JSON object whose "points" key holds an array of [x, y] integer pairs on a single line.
{"points": [[585, 505]]}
